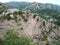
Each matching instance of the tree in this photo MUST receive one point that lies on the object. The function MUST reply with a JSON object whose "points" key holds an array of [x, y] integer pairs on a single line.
{"points": [[18, 12]]}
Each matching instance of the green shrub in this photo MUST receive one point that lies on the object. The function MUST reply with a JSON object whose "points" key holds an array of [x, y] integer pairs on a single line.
{"points": [[18, 12], [56, 42], [12, 38], [1, 42]]}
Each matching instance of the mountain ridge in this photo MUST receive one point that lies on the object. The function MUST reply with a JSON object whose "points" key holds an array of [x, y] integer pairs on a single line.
{"points": [[24, 4]]}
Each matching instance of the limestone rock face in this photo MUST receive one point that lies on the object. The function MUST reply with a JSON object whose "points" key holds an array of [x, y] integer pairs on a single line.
{"points": [[32, 26]]}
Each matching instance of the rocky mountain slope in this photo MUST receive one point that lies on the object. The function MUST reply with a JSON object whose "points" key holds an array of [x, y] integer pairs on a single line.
{"points": [[40, 6], [30, 24]]}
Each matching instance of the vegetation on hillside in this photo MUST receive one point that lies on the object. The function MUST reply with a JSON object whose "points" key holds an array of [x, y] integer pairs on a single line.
{"points": [[11, 38], [2, 9], [49, 14], [8, 17]]}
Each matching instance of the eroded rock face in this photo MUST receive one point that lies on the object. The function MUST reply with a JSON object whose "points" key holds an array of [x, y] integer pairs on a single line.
{"points": [[34, 27]]}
